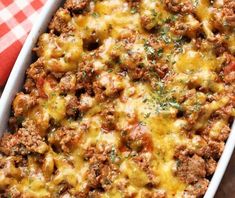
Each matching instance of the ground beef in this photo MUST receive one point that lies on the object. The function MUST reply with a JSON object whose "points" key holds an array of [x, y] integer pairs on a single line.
{"points": [[210, 149], [197, 189], [224, 17], [26, 140], [76, 5], [29, 85], [37, 74], [229, 72], [230, 78], [187, 26], [148, 22], [136, 138], [78, 106], [99, 91], [181, 28], [65, 138], [36, 70], [210, 166], [192, 166], [108, 115], [133, 63], [14, 123], [229, 12], [72, 108], [161, 69], [219, 44], [60, 21], [134, 4], [68, 82], [215, 149], [108, 86], [137, 73], [154, 194], [179, 7], [191, 169], [143, 160], [22, 103], [222, 136], [224, 133], [13, 192], [131, 59], [102, 169], [85, 76], [226, 111]]}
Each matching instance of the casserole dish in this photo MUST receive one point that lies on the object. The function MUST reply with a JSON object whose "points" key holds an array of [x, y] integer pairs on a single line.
{"points": [[16, 79]]}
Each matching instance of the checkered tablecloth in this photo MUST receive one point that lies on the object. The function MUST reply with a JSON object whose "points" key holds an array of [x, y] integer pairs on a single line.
{"points": [[16, 20]]}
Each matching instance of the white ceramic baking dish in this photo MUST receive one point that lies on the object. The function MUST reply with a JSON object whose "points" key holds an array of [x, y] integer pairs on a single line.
{"points": [[25, 58]]}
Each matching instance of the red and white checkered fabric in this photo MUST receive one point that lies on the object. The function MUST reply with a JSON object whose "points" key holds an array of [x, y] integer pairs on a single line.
{"points": [[16, 20]]}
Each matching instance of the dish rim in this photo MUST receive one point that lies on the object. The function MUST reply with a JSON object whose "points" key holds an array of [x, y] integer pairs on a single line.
{"points": [[16, 79]]}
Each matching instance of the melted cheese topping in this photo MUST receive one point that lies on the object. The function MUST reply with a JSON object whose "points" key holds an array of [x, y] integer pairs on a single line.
{"points": [[142, 129]]}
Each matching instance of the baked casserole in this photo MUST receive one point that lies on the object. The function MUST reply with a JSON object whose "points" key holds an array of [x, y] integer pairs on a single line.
{"points": [[127, 98]]}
